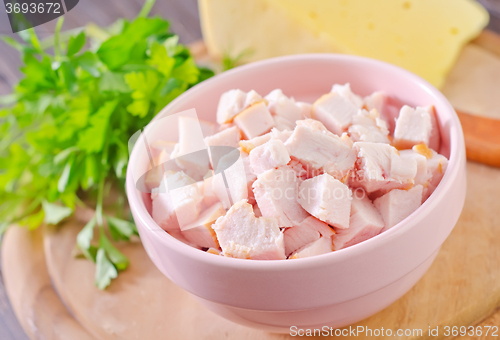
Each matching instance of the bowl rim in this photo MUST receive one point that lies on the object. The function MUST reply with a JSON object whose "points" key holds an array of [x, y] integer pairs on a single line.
{"points": [[456, 158]]}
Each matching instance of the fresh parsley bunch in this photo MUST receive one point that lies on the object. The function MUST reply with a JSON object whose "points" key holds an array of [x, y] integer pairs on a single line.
{"points": [[66, 126]]}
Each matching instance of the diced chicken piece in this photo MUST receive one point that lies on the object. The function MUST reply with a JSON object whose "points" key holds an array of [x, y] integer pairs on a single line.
{"points": [[436, 166], [327, 199], [398, 204], [421, 176], [163, 212], [320, 150], [242, 235], [305, 108], [249, 176], [368, 127], [281, 135], [209, 197], [233, 102], [283, 124], [321, 246], [159, 145], [283, 106], [276, 193], [177, 234], [238, 179], [380, 167], [365, 222], [225, 126], [268, 156], [249, 145], [186, 197], [213, 251], [334, 111], [307, 231], [435, 138], [200, 232], [155, 175], [254, 121], [346, 92], [300, 171], [377, 100], [413, 126], [190, 153], [207, 128], [176, 202], [228, 137], [256, 210]]}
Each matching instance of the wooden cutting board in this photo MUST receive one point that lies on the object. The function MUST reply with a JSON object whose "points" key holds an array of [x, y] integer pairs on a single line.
{"points": [[461, 288]]}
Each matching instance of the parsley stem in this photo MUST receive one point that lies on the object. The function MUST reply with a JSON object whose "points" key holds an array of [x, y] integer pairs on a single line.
{"points": [[100, 199], [57, 50], [148, 4]]}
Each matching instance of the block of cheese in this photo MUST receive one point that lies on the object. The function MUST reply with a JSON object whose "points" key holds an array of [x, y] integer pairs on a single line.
{"points": [[423, 36]]}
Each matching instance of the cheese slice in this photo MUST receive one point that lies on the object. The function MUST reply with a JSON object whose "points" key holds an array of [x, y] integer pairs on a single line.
{"points": [[423, 36]]}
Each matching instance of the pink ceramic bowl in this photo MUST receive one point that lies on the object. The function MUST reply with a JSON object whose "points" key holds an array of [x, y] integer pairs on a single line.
{"points": [[334, 289]]}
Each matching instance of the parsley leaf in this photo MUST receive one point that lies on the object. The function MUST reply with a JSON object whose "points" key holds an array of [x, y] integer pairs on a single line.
{"points": [[55, 213], [92, 139], [66, 127], [105, 271]]}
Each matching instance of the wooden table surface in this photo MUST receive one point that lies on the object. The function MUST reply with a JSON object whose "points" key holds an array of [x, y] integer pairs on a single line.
{"points": [[183, 16]]}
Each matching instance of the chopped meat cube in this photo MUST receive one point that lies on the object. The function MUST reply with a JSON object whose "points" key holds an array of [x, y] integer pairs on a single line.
{"points": [[160, 145], [225, 126], [368, 127], [435, 138], [200, 232], [380, 167], [305, 108], [276, 193], [249, 145], [321, 246], [365, 222], [307, 231], [237, 179], [283, 106], [413, 126], [398, 204], [436, 167], [163, 212], [256, 210], [155, 175], [268, 156], [242, 235], [228, 137], [255, 120], [421, 176], [327, 199], [233, 102], [281, 135], [319, 149], [346, 92], [377, 100], [334, 111], [177, 202], [213, 251], [209, 197], [193, 163], [282, 123]]}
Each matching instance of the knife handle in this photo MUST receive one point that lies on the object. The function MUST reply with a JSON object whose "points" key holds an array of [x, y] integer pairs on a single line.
{"points": [[482, 138]]}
